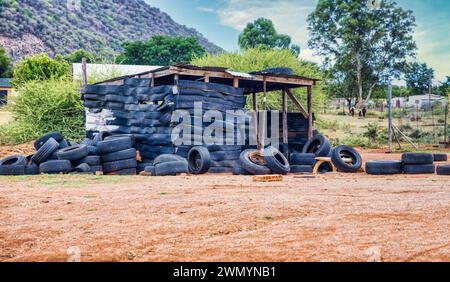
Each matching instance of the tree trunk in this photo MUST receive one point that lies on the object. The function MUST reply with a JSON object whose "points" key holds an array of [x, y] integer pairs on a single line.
{"points": [[369, 94], [359, 76]]}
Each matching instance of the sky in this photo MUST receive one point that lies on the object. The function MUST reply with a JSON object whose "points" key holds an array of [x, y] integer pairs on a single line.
{"points": [[221, 21]]}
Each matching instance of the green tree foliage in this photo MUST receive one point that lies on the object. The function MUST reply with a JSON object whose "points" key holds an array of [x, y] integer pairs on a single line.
{"points": [[367, 46], [417, 77], [5, 63], [44, 106], [262, 33], [161, 50], [261, 58], [444, 88], [39, 67], [77, 56]]}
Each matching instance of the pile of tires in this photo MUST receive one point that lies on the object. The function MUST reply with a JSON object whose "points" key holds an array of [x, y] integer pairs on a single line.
{"points": [[411, 163], [118, 155], [168, 165], [418, 163], [302, 162], [54, 154]]}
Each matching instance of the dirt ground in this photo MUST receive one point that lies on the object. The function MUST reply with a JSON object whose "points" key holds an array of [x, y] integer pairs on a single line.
{"points": [[332, 217]]}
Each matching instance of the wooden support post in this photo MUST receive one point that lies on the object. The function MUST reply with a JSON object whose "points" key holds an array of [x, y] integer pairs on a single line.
{"points": [[176, 77], [236, 82], [285, 118], [263, 123], [310, 113], [255, 109], [296, 102], [206, 79], [152, 82], [84, 70]]}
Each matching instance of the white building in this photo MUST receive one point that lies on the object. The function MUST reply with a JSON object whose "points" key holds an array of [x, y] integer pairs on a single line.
{"points": [[418, 101]]}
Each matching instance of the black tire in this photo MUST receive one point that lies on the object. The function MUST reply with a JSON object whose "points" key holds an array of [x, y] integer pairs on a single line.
{"points": [[96, 168], [73, 153], [120, 155], [225, 155], [41, 141], [100, 137], [45, 151], [384, 167], [126, 171], [92, 151], [171, 168], [12, 169], [114, 145], [301, 169], [220, 169], [303, 159], [348, 152], [31, 169], [218, 148], [199, 160], [150, 169], [142, 165], [417, 158], [419, 168], [119, 165], [276, 161], [63, 144], [443, 170], [90, 160], [83, 168], [87, 142], [164, 158], [14, 160], [440, 157], [279, 70], [227, 163], [325, 168], [239, 170], [252, 167], [318, 145], [52, 167], [133, 138]]}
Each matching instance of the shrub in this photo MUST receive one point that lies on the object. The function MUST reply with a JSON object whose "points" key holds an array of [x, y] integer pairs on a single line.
{"points": [[325, 124], [356, 140], [260, 58], [39, 67], [44, 106]]}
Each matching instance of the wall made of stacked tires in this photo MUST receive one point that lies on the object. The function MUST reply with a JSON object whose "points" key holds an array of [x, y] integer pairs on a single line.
{"points": [[146, 112]]}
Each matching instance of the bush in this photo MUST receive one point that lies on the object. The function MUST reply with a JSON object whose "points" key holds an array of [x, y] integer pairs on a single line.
{"points": [[39, 67], [357, 140], [260, 58], [44, 106]]}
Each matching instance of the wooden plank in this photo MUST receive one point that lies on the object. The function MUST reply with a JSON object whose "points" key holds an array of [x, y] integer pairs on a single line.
{"points": [[84, 70], [285, 117], [310, 113], [296, 102], [236, 82], [152, 77]]}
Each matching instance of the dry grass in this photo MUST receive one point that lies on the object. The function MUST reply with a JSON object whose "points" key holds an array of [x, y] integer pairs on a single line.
{"points": [[5, 116]]}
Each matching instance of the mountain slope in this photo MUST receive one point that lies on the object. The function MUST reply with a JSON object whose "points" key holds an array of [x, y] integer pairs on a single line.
{"points": [[62, 26]]}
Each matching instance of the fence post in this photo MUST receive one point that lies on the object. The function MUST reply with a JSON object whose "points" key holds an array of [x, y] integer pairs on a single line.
{"points": [[390, 115]]}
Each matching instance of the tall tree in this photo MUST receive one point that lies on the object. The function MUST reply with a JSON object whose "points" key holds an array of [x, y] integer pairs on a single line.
{"points": [[77, 57], [161, 50], [418, 78], [262, 33], [367, 43], [5, 63]]}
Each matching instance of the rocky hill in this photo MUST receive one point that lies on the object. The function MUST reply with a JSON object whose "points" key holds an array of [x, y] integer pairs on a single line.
{"points": [[62, 26]]}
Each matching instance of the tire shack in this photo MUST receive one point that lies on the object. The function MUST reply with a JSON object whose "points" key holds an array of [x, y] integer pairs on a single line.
{"points": [[144, 105]]}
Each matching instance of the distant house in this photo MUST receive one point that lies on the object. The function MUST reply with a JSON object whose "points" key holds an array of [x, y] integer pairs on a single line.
{"points": [[418, 101], [6, 90]]}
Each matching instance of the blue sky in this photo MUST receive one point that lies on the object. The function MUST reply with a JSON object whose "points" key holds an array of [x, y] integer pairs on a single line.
{"points": [[221, 21]]}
